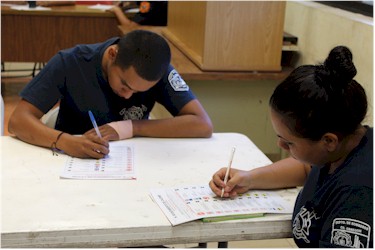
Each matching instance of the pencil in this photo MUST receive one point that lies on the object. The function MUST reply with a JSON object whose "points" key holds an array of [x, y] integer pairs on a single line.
{"points": [[228, 170], [92, 118]]}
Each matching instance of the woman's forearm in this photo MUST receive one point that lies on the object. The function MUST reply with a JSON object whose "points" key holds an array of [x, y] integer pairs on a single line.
{"points": [[282, 174]]}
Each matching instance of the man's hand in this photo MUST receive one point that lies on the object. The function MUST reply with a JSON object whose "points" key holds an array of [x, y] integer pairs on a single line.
{"points": [[108, 133], [85, 146]]}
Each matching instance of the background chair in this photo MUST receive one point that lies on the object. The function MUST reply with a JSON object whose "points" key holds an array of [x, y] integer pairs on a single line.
{"points": [[50, 117], [2, 116]]}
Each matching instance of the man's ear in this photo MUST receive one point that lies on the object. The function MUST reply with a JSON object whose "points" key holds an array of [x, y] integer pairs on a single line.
{"points": [[330, 141], [112, 52]]}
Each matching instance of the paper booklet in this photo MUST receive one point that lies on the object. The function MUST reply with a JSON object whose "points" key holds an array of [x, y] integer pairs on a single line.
{"points": [[184, 204], [118, 164]]}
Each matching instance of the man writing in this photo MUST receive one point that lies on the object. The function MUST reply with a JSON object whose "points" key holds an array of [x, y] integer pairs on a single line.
{"points": [[119, 80]]}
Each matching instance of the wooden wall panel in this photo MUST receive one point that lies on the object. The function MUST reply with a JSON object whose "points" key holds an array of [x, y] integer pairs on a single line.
{"points": [[185, 21], [243, 35], [229, 35]]}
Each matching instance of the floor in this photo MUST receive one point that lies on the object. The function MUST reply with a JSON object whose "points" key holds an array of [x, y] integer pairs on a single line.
{"points": [[275, 243], [11, 86]]}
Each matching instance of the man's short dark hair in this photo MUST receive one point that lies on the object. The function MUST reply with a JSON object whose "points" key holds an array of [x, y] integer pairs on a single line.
{"points": [[146, 51]]}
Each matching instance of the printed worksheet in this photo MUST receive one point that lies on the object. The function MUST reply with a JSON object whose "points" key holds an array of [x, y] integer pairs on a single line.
{"points": [[102, 7], [183, 204], [26, 7], [118, 164]]}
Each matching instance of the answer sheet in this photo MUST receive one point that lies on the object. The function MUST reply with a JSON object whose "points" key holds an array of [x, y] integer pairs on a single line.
{"points": [[118, 164], [183, 204]]}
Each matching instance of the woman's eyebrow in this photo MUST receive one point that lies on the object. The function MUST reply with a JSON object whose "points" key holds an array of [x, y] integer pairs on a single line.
{"points": [[282, 138]]}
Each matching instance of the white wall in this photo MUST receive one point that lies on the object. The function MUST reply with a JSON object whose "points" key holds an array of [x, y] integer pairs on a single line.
{"points": [[242, 106], [319, 28]]}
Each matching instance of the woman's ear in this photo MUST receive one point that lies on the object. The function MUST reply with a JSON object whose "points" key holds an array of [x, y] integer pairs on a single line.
{"points": [[330, 141]]}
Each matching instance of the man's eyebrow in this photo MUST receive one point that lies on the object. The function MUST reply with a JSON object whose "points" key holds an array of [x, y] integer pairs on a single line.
{"points": [[127, 85]]}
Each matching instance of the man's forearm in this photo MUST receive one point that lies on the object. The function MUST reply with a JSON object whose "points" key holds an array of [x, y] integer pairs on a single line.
{"points": [[188, 126]]}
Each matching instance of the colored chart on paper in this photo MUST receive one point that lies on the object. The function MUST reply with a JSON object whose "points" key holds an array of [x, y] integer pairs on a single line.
{"points": [[183, 204], [118, 164]]}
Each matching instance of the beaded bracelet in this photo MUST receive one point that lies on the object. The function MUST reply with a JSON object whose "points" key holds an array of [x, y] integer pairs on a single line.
{"points": [[53, 146]]}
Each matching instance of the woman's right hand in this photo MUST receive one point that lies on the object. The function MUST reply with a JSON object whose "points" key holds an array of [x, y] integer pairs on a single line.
{"points": [[238, 182]]}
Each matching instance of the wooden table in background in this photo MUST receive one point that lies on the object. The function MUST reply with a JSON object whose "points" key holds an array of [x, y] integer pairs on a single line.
{"points": [[189, 71], [36, 36]]}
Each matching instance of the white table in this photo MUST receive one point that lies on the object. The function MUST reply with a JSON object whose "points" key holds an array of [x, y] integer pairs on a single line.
{"points": [[41, 210]]}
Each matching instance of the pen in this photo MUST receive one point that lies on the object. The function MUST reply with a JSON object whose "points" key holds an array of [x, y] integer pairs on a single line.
{"points": [[228, 169], [92, 118]]}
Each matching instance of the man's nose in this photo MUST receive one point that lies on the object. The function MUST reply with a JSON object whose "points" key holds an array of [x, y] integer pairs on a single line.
{"points": [[127, 94]]}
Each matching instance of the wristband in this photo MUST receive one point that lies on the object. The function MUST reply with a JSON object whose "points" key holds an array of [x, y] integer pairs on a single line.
{"points": [[53, 146], [124, 129]]}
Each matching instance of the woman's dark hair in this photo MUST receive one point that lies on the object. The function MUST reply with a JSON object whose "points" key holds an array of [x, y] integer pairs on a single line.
{"points": [[316, 99], [146, 51]]}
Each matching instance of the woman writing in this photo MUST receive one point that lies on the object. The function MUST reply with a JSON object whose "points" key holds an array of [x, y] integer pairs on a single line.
{"points": [[317, 113]]}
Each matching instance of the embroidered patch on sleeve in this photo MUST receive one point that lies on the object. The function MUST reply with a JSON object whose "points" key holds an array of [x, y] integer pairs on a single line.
{"points": [[302, 223], [177, 83], [348, 232], [144, 7]]}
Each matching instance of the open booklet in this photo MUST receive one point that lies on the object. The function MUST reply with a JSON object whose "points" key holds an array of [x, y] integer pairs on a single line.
{"points": [[189, 203]]}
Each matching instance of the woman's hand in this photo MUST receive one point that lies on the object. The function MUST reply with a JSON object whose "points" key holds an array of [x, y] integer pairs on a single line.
{"points": [[238, 182]]}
